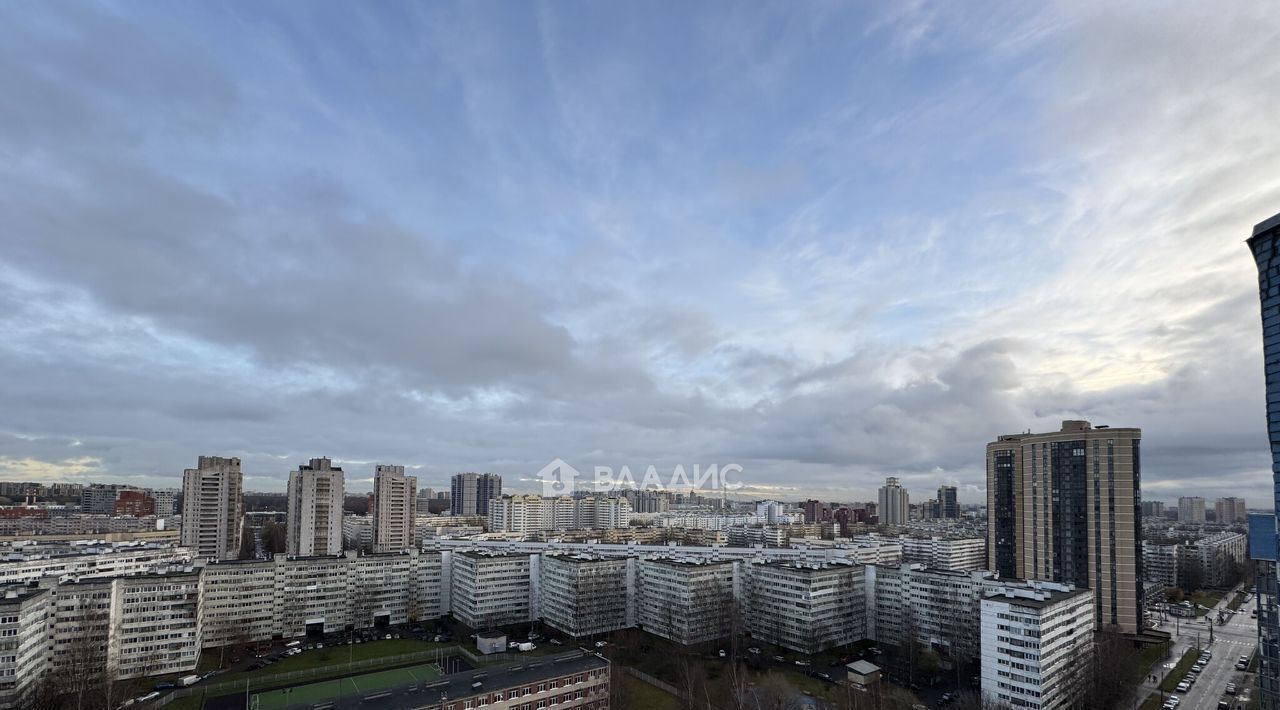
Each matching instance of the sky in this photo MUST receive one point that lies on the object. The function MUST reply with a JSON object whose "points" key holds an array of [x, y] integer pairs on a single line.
{"points": [[826, 242]]}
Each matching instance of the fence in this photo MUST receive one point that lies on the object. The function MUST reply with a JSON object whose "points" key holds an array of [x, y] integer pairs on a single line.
{"points": [[248, 685], [256, 683], [662, 685]]}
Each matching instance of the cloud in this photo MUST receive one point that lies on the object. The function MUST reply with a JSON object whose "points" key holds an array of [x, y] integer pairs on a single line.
{"points": [[830, 246]]}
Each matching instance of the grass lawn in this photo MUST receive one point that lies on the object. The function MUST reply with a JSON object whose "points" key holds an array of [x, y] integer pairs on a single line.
{"points": [[1206, 597], [313, 693], [1237, 601], [1170, 683], [1153, 702], [639, 695], [1148, 659]]}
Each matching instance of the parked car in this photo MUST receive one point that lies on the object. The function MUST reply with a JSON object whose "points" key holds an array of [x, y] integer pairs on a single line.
{"points": [[802, 663], [165, 686], [779, 659], [1231, 689], [1184, 686], [601, 644], [753, 651], [556, 642]]}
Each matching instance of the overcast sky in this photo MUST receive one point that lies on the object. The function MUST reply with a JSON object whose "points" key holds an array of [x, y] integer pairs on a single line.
{"points": [[828, 242]]}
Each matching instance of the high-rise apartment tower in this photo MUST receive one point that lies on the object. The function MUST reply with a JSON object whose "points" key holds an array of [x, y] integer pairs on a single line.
{"points": [[1066, 507]]}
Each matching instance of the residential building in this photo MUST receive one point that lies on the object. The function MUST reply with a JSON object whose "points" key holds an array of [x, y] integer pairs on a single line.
{"points": [[155, 624], [82, 630], [26, 642], [945, 553], [1191, 510], [357, 532], [950, 506], [1037, 646], [1230, 510], [584, 595], [135, 503], [687, 601], [100, 498], [246, 601], [470, 493], [895, 504], [165, 501], [1220, 558], [315, 495], [1152, 509], [35, 561], [1162, 563], [807, 608], [212, 505], [938, 608], [395, 508], [1065, 506], [489, 590]]}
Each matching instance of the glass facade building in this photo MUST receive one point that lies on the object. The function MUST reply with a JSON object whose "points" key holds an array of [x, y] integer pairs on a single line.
{"points": [[1265, 245]]}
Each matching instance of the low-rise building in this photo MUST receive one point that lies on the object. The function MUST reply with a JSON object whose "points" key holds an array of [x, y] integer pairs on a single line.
{"points": [[32, 560], [1037, 645]]}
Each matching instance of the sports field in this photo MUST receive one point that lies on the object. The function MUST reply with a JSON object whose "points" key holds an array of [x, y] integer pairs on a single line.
{"points": [[353, 687]]}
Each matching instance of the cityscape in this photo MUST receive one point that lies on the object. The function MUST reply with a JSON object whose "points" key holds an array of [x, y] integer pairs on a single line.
{"points": [[407, 356]]}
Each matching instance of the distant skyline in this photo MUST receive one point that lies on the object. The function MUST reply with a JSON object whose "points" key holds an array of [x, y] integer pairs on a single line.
{"points": [[827, 242]]}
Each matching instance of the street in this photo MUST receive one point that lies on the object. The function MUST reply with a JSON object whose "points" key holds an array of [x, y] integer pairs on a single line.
{"points": [[1237, 637]]}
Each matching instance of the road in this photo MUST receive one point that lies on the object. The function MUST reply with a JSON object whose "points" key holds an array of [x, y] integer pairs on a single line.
{"points": [[1237, 637]]}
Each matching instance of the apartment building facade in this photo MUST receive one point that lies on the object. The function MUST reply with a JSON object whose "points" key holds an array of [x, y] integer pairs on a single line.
{"points": [[155, 624], [584, 595], [315, 497], [395, 507], [1065, 506], [26, 642], [806, 607], [688, 601], [1037, 646], [489, 590], [212, 507], [470, 493]]}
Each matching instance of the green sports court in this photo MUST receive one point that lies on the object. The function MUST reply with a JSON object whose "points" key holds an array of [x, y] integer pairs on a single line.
{"points": [[305, 696]]}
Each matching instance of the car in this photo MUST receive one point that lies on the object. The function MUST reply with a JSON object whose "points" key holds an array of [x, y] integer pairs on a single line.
{"points": [[1224, 705], [875, 651], [779, 659], [601, 644], [1230, 689], [165, 686], [1184, 686], [319, 645], [556, 642], [1197, 668], [802, 663], [1244, 659], [1241, 665], [947, 697], [753, 651], [722, 653]]}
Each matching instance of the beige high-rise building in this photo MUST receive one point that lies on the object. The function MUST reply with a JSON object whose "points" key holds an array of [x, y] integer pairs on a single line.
{"points": [[212, 505], [1066, 506], [315, 509], [1230, 510], [395, 504], [1191, 510], [895, 504]]}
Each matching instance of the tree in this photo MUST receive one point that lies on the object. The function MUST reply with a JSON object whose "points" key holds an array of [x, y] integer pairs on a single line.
{"points": [[1107, 678], [273, 538], [248, 543]]}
